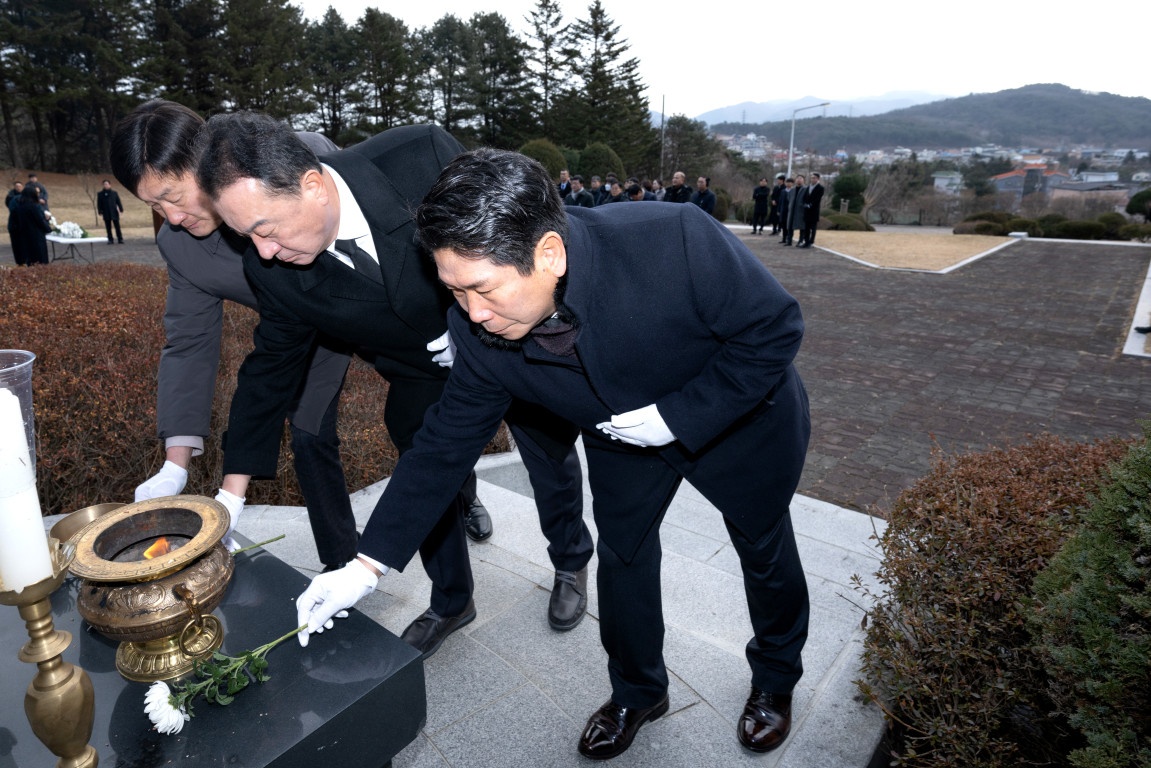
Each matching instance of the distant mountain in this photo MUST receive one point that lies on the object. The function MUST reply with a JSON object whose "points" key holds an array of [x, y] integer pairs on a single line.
{"points": [[770, 111], [1048, 116]]}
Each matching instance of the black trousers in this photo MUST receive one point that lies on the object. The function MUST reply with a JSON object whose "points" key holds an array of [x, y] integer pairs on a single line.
{"points": [[553, 470], [631, 490], [108, 223]]}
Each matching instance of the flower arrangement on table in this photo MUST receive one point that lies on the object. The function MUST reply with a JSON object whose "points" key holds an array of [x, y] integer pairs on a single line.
{"points": [[68, 229]]}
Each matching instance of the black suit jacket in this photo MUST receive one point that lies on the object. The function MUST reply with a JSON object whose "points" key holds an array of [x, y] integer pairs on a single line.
{"points": [[388, 323]]}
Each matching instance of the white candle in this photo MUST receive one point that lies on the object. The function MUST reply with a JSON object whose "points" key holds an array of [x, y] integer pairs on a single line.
{"points": [[24, 557]]}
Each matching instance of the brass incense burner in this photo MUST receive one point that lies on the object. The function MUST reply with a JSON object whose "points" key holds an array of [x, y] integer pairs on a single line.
{"points": [[152, 574]]}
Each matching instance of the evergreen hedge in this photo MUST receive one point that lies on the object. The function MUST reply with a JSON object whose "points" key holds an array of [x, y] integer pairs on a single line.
{"points": [[1092, 616]]}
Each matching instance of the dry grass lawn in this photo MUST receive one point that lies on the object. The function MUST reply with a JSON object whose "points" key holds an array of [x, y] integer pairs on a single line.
{"points": [[73, 198], [908, 250]]}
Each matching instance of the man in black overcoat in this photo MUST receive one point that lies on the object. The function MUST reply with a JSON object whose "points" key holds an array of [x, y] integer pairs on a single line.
{"points": [[560, 307]]}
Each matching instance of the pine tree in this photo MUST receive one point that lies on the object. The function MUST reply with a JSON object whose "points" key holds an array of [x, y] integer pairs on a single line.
{"points": [[498, 83], [605, 102], [388, 72], [332, 55], [446, 49], [263, 69], [547, 63]]}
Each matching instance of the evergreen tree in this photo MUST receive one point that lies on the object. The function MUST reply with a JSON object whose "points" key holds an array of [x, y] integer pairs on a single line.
{"points": [[263, 69], [334, 64], [446, 50], [183, 54], [687, 147], [389, 86], [498, 83], [605, 101], [548, 63]]}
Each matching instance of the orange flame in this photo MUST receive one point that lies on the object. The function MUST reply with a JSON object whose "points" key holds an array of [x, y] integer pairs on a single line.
{"points": [[159, 548]]}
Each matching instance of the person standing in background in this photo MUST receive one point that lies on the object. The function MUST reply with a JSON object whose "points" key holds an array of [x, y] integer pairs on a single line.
{"points": [[108, 204]]}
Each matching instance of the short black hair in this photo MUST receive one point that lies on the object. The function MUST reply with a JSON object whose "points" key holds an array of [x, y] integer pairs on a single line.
{"points": [[158, 136], [491, 204], [250, 145], [578, 178]]}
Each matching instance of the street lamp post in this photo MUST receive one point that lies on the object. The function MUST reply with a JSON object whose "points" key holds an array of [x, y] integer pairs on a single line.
{"points": [[791, 145]]}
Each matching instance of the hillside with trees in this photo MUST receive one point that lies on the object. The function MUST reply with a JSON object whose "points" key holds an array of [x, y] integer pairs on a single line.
{"points": [[1044, 116]]}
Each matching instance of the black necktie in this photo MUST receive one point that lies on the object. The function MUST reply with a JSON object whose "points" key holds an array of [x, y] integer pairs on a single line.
{"points": [[362, 260]]}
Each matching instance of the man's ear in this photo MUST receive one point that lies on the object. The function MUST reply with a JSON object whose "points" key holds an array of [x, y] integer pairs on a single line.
{"points": [[551, 254], [312, 184]]}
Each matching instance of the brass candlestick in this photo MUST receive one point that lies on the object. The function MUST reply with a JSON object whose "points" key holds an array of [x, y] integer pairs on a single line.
{"points": [[60, 702]]}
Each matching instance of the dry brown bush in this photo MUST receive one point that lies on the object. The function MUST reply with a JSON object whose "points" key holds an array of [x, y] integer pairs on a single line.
{"points": [[97, 334]]}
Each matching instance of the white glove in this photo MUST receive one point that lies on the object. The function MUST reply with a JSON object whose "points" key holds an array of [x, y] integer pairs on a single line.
{"points": [[235, 505], [643, 427], [446, 349], [330, 595], [169, 481]]}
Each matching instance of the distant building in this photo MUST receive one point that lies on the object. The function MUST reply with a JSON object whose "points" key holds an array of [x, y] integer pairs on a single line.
{"points": [[1115, 194], [948, 182], [1091, 177], [1029, 180]]}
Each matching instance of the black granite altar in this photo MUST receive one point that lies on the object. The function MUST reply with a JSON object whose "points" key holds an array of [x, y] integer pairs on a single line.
{"points": [[354, 697]]}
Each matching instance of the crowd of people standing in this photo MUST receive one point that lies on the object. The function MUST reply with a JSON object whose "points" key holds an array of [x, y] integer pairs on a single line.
{"points": [[791, 204], [609, 189]]}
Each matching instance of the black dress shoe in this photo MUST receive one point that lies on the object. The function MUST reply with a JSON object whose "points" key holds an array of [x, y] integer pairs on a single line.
{"points": [[610, 731], [765, 722], [427, 633], [1143, 329], [477, 521], [568, 603]]}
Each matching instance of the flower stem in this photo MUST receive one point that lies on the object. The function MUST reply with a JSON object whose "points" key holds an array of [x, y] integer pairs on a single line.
{"points": [[262, 543]]}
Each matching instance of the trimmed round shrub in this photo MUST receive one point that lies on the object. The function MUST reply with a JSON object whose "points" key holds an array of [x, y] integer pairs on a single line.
{"points": [[1030, 226], [1048, 222], [948, 655], [1140, 232], [1112, 223], [847, 222], [999, 217], [548, 155], [1076, 229], [598, 159], [980, 227], [722, 204], [1092, 614]]}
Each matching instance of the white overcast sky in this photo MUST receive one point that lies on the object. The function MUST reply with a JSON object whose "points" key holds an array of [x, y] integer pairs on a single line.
{"points": [[697, 56]]}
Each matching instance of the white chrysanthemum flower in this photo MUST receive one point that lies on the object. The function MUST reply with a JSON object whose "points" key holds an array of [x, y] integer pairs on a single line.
{"points": [[167, 718], [71, 229]]}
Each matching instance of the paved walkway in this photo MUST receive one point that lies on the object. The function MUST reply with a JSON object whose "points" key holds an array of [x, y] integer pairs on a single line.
{"points": [[1024, 341]]}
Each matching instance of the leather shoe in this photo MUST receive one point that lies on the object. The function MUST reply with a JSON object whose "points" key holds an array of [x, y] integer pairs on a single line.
{"points": [[427, 633], [610, 731], [568, 603], [477, 521], [1143, 329], [765, 722]]}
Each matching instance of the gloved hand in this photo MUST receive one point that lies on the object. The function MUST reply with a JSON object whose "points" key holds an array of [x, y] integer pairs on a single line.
{"points": [[169, 481], [446, 349], [330, 595], [643, 427], [234, 505]]}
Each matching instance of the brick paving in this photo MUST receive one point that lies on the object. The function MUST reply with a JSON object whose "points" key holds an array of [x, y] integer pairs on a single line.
{"points": [[1022, 342]]}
